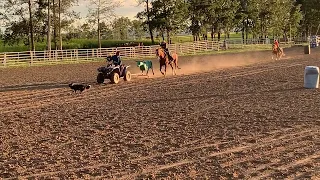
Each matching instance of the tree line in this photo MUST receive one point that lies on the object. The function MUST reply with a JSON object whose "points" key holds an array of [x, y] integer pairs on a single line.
{"points": [[259, 18], [50, 21]]}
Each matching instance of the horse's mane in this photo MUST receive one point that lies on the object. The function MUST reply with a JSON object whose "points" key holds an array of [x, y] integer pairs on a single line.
{"points": [[160, 52]]}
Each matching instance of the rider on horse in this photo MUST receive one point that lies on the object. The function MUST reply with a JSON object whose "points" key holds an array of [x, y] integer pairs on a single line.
{"points": [[163, 45], [276, 44]]}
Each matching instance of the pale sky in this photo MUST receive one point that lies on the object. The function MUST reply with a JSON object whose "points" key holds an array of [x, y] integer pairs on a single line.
{"points": [[129, 8]]}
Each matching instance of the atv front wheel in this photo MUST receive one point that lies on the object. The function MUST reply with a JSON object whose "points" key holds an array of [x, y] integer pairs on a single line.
{"points": [[127, 76], [115, 78], [100, 78]]}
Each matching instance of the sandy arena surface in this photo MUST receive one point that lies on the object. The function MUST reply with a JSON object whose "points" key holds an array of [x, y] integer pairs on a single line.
{"points": [[231, 116]]}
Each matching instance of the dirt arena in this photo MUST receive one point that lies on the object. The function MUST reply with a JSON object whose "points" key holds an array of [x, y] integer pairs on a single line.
{"points": [[231, 116]]}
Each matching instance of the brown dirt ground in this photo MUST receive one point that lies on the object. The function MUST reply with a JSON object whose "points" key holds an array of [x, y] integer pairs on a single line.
{"points": [[241, 116]]}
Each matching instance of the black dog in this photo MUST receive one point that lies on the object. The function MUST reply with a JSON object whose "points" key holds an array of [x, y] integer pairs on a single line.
{"points": [[79, 87]]}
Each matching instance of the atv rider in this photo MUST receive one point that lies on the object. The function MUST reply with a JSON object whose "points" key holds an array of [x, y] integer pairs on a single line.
{"points": [[163, 45], [116, 60]]}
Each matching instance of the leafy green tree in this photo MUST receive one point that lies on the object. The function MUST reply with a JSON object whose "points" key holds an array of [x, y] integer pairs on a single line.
{"points": [[1, 34], [197, 16], [311, 16], [18, 18], [138, 29], [121, 28], [146, 17], [101, 9], [169, 16]]}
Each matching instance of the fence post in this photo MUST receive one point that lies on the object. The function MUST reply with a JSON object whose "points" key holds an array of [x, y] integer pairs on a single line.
{"points": [[87, 54], [194, 48], [31, 58], [5, 60], [150, 52]]}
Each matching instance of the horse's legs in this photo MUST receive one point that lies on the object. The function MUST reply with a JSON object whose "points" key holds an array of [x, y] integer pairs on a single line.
{"points": [[152, 70], [175, 67], [272, 55], [172, 68], [161, 69], [165, 70]]}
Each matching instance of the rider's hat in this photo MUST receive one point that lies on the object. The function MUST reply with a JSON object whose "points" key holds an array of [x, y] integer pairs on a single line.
{"points": [[163, 44]]}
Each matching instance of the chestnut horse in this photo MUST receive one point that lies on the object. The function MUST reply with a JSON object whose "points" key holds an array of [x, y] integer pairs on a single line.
{"points": [[278, 52], [164, 61]]}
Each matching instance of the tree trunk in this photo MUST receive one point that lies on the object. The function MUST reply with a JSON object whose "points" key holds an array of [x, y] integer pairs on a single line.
{"points": [[49, 28], [162, 35], [60, 37], [32, 48], [168, 36], [243, 31], [212, 33], [54, 24], [99, 35], [219, 35], [149, 24], [247, 34]]}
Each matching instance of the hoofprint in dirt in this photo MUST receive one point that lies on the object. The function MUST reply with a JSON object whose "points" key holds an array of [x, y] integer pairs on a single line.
{"points": [[247, 122]]}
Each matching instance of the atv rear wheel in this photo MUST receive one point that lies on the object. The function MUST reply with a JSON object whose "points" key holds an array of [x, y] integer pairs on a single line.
{"points": [[127, 76], [114, 78], [100, 78]]}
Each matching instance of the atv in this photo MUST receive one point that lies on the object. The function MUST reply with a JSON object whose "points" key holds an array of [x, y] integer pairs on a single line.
{"points": [[113, 73]]}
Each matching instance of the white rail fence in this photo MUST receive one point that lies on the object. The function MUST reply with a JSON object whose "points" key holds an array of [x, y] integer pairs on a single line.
{"points": [[30, 58]]}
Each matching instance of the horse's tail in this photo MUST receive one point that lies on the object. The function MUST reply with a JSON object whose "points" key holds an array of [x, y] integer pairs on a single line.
{"points": [[175, 57]]}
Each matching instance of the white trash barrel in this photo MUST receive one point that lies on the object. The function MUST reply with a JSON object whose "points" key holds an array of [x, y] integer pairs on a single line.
{"points": [[311, 77]]}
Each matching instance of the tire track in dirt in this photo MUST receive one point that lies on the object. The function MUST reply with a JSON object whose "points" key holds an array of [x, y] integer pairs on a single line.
{"points": [[259, 153], [310, 174], [285, 168], [268, 158], [237, 149], [222, 152]]}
